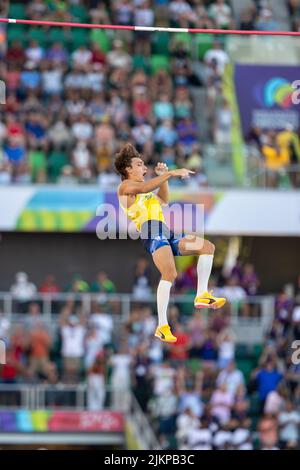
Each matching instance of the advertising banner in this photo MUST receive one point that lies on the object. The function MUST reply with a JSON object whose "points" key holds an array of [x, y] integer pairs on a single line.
{"points": [[265, 96], [61, 421]]}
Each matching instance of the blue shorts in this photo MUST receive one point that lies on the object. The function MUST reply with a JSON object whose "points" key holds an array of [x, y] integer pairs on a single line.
{"points": [[155, 234]]}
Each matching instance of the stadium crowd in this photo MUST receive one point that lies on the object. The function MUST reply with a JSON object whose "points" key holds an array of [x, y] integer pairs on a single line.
{"points": [[206, 391], [102, 89]]}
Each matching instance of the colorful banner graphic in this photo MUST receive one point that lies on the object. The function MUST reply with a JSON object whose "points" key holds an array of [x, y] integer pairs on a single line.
{"points": [[264, 96], [61, 421], [232, 212]]}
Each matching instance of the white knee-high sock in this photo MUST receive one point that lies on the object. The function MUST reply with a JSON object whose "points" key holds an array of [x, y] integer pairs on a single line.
{"points": [[204, 267], [163, 296]]}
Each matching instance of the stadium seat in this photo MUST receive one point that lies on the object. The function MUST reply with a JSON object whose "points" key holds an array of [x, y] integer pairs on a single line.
{"points": [[80, 37], [246, 366], [254, 409], [257, 350], [160, 43], [37, 34], [141, 62], [57, 35], [15, 32], [242, 351], [56, 161], [159, 62], [79, 13], [17, 10], [204, 43]]}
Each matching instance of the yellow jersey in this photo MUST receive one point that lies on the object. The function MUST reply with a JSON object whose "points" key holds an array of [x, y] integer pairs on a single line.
{"points": [[274, 159], [145, 207]]}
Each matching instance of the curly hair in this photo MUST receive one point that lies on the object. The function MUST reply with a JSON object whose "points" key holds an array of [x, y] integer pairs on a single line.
{"points": [[123, 159]]}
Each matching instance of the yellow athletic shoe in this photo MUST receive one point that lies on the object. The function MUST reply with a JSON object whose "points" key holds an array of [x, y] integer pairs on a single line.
{"points": [[164, 334], [207, 300]]}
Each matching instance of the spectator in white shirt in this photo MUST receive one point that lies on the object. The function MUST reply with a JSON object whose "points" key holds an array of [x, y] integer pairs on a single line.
{"points": [[289, 421], [223, 438], [217, 54], [82, 56], [120, 378], [96, 384], [117, 57], [221, 13], [34, 52], [23, 291], [72, 335], [223, 124], [231, 377], [52, 79], [241, 436], [185, 422], [233, 291], [82, 129], [221, 403], [103, 323], [226, 347], [200, 438], [180, 9]]}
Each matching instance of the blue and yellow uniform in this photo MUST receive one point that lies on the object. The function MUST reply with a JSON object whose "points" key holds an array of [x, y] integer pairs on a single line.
{"points": [[147, 214]]}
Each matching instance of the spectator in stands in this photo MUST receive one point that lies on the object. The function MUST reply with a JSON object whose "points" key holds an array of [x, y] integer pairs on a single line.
{"points": [[223, 124], [103, 284], [102, 321], [196, 329], [96, 384], [221, 14], [241, 436], [141, 288], [222, 402], [186, 422], [250, 280], [40, 343], [235, 294], [118, 57], [226, 340], [23, 291], [275, 159], [49, 286], [266, 21], [268, 432], [179, 351], [187, 133], [78, 284], [247, 21], [288, 421], [120, 377], [200, 438], [218, 55], [231, 377], [267, 379], [73, 334], [222, 439]]}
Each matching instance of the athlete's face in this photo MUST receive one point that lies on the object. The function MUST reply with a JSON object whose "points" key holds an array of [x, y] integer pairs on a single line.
{"points": [[137, 170]]}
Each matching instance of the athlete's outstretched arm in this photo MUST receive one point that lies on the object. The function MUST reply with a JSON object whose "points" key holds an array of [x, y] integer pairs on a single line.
{"points": [[135, 187]]}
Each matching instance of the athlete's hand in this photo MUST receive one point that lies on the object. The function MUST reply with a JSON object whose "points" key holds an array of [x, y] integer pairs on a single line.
{"points": [[182, 172], [160, 169]]}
